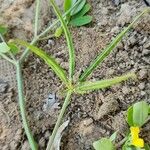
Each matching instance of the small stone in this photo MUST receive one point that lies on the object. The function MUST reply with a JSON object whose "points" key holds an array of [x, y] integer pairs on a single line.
{"points": [[147, 45], [141, 86], [18, 135], [88, 121], [132, 40], [42, 142], [13, 145], [116, 2], [25, 146], [3, 87], [125, 90], [5, 147], [145, 52], [143, 93], [51, 42], [47, 135], [143, 74]]}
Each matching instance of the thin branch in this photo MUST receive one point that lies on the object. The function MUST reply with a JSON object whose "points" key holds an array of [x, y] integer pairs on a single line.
{"points": [[8, 59], [25, 53], [68, 38], [37, 10]]}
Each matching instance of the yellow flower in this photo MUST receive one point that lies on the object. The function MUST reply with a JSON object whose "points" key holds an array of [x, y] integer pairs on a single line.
{"points": [[136, 141]]}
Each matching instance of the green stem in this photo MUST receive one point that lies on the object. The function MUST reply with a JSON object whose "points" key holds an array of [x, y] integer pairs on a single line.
{"points": [[32, 143], [36, 18], [66, 103], [68, 38], [25, 54], [7, 58]]}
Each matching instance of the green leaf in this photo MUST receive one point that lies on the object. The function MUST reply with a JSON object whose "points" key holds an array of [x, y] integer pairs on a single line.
{"points": [[78, 7], [147, 147], [4, 48], [101, 57], [67, 5], [103, 144], [13, 48], [68, 38], [130, 116], [140, 113], [88, 86], [80, 21], [113, 136], [58, 32], [137, 114], [84, 10], [125, 147], [3, 30], [48, 59]]}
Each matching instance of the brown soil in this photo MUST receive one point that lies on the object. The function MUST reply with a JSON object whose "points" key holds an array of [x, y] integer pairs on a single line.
{"points": [[92, 115]]}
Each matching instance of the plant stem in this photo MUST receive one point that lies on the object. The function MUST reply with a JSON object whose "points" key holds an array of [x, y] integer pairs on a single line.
{"points": [[68, 38], [32, 143], [66, 103], [121, 142], [7, 58], [25, 54], [36, 18]]}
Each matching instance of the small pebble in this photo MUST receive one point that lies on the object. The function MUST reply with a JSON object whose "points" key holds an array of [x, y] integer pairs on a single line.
{"points": [[42, 142], [145, 52], [3, 87], [143, 93], [51, 42], [141, 86], [47, 135], [143, 74], [125, 90], [88, 121]]}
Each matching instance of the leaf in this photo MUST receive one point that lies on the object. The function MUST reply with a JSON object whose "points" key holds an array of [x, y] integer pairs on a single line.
{"points": [[113, 136], [130, 116], [88, 86], [125, 147], [68, 38], [57, 140], [67, 5], [101, 57], [103, 144], [84, 10], [58, 32], [3, 30], [78, 7], [147, 147], [13, 48], [48, 59], [140, 113], [137, 114], [80, 21], [4, 48]]}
